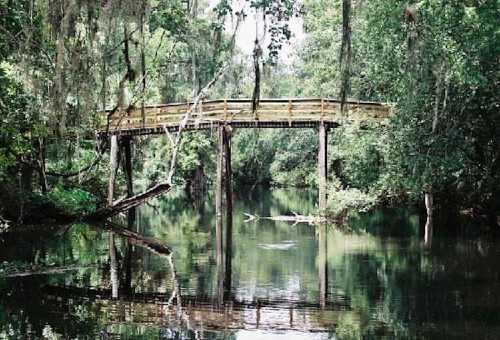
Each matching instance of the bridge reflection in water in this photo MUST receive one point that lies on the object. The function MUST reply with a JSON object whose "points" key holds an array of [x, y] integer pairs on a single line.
{"points": [[178, 309], [283, 280]]}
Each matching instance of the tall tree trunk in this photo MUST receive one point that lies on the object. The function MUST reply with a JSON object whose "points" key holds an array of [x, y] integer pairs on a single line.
{"points": [[124, 100], [429, 203], [103, 80], [26, 177], [41, 165], [429, 196], [143, 64], [257, 52]]}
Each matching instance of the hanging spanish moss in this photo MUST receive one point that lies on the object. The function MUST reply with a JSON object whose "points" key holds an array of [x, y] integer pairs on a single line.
{"points": [[257, 53], [345, 54]]}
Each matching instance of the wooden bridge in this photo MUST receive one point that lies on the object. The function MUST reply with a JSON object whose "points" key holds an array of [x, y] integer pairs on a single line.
{"points": [[320, 113], [271, 113]]}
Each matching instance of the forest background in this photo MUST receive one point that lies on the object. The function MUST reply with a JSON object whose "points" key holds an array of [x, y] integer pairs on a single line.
{"points": [[435, 63]]}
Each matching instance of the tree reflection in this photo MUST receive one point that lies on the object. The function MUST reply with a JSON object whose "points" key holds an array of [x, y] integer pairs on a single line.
{"points": [[429, 224], [113, 265], [358, 283], [323, 264]]}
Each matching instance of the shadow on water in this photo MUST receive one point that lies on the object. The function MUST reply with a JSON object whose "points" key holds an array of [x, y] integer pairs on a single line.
{"points": [[163, 276]]}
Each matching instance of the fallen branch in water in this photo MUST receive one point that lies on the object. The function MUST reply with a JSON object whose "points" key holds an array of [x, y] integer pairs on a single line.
{"points": [[296, 218], [44, 271], [125, 204]]}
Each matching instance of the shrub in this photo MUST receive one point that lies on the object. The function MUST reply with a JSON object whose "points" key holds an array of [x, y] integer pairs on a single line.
{"points": [[341, 202]]}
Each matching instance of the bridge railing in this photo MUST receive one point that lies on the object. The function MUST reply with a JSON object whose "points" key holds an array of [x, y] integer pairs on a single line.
{"points": [[239, 111]]}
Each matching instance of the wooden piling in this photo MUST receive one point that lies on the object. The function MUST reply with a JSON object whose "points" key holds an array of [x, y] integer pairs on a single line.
{"points": [[228, 174], [229, 211], [223, 201], [322, 167], [224, 173], [219, 188]]}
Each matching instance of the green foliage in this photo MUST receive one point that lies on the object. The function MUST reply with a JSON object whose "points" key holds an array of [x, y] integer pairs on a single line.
{"points": [[196, 151], [278, 157], [356, 156], [17, 123], [72, 200], [344, 201], [296, 157], [436, 75], [435, 63], [171, 17], [13, 14], [319, 67], [252, 153]]}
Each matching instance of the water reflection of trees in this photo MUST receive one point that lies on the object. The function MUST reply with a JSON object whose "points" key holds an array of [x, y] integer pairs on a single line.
{"points": [[389, 287]]}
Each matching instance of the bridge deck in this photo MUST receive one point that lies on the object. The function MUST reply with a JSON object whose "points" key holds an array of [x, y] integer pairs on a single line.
{"points": [[272, 113]]}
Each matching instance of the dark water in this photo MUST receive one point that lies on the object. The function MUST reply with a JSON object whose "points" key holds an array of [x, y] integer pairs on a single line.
{"points": [[380, 277]]}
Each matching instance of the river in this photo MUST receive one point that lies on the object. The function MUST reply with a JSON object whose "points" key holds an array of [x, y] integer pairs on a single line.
{"points": [[380, 276]]}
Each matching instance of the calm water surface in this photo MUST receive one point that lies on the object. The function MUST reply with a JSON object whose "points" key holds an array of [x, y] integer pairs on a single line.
{"points": [[379, 277]]}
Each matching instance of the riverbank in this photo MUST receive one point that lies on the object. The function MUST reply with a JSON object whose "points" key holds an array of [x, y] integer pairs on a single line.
{"points": [[64, 207], [57, 205]]}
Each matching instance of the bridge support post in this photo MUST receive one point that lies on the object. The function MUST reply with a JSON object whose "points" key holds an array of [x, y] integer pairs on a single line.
{"points": [[228, 176], [219, 187], [223, 195], [228, 246], [322, 168]]}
